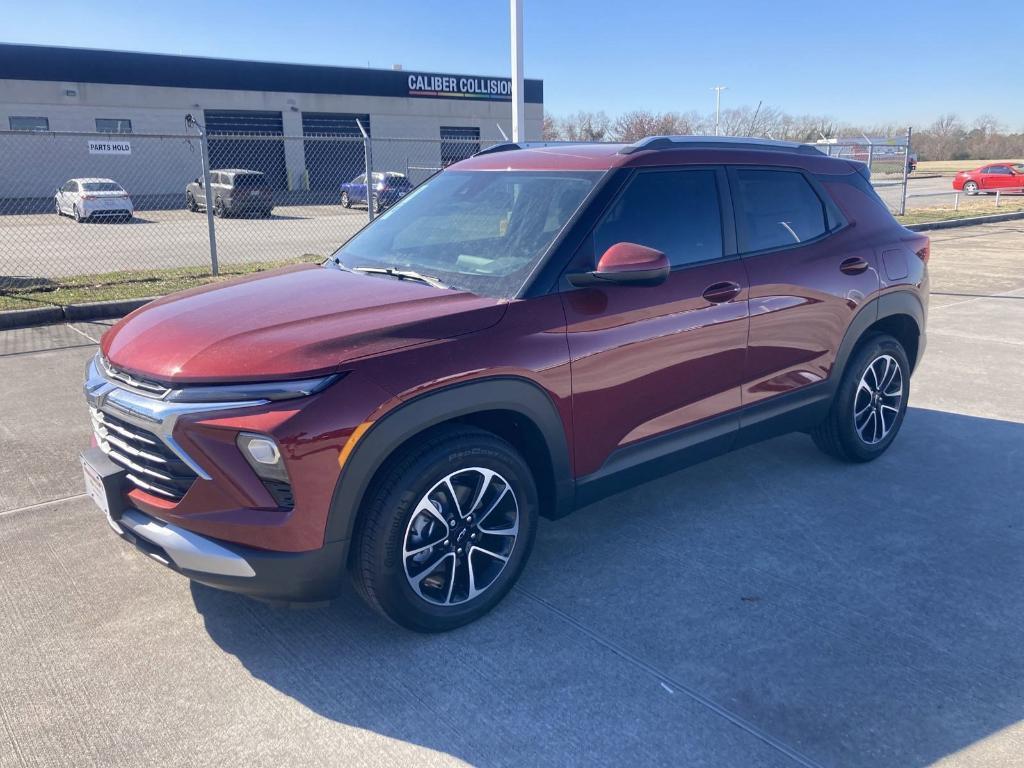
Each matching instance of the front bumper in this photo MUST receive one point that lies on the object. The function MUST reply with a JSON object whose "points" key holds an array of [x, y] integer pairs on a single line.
{"points": [[279, 576]]}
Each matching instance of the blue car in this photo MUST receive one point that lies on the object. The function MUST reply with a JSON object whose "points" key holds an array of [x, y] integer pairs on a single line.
{"points": [[388, 189]]}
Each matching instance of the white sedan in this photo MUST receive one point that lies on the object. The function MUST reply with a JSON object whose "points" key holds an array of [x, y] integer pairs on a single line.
{"points": [[90, 199]]}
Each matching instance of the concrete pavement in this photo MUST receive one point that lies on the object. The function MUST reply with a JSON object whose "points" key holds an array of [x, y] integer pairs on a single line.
{"points": [[770, 607]]}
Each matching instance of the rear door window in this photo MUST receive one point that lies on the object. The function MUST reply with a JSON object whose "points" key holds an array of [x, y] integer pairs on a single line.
{"points": [[676, 212], [776, 209]]}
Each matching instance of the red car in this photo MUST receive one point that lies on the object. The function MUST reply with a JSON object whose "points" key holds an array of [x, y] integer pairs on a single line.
{"points": [[990, 178], [534, 328]]}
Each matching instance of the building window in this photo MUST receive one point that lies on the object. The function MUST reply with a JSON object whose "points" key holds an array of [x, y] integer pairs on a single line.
{"points": [[458, 143], [29, 123], [113, 125]]}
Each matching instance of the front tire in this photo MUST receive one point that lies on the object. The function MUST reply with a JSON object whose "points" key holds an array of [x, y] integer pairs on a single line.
{"points": [[971, 187], [345, 202], [219, 210], [868, 409], [190, 202], [446, 530]]}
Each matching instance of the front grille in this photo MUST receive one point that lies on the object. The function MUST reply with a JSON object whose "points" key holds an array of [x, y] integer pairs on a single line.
{"points": [[151, 464], [146, 387]]}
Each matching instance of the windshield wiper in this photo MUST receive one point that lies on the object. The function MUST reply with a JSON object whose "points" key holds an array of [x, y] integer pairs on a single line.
{"points": [[402, 274]]}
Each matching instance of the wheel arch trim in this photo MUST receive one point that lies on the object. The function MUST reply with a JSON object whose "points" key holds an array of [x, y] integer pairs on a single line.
{"points": [[379, 440], [900, 302]]}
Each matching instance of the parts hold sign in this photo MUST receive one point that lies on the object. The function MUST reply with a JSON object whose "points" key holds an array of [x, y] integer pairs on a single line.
{"points": [[109, 147]]}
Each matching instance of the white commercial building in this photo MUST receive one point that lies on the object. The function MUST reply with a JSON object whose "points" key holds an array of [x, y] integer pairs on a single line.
{"points": [[135, 95]]}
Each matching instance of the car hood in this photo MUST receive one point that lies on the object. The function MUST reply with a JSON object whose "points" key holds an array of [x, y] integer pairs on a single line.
{"points": [[288, 323]]}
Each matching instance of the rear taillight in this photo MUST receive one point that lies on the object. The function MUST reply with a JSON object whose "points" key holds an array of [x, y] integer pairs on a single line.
{"points": [[925, 251], [88, 197]]}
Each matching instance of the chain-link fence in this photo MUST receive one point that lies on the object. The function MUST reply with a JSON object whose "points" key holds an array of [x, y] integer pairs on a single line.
{"points": [[94, 216]]}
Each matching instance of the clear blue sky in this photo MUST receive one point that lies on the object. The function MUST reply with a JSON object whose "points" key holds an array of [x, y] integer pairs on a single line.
{"points": [[900, 62]]}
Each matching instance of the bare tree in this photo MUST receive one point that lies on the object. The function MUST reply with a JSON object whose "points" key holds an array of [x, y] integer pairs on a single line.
{"points": [[586, 126], [944, 139], [550, 130]]}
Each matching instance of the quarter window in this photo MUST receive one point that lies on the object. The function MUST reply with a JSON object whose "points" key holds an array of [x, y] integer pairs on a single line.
{"points": [[29, 123], [113, 125], [775, 209], [675, 212]]}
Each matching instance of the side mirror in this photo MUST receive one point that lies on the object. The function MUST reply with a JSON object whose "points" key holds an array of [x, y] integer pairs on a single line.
{"points": [[626, 264]]}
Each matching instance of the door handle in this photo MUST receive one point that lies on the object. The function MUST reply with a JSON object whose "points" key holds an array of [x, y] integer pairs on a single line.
{"points": [[719, 293], [854, 266]]}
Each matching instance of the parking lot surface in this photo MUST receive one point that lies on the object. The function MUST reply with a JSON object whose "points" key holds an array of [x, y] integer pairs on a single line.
{"points": [[770, 607], [47, 245]]}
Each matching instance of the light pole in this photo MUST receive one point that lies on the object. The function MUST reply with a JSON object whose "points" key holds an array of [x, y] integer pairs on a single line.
{"points": [[516, 24], [718, 104]]}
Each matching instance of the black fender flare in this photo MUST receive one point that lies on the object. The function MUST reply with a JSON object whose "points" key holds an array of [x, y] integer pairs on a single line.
{"points": [[887, 305], [519, 395]]}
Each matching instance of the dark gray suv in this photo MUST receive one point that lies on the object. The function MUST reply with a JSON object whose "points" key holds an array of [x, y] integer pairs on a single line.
{"points": [[234, 191]]}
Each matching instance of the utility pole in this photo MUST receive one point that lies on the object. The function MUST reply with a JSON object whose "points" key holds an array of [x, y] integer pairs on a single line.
{"points": [[516, 13], [718, 104]]}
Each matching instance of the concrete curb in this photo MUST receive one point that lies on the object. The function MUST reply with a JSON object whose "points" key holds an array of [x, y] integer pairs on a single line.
{"points": [[72, 313], [924, 227]]}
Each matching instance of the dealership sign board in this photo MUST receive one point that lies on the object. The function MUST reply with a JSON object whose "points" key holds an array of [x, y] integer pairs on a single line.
{"points": [[118, 147], [456, 86]]}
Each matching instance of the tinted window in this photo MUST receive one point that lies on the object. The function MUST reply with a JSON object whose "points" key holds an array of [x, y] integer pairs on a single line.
{"points": [[249, 181], [775, 209], [1002, 170], [675, 212]]}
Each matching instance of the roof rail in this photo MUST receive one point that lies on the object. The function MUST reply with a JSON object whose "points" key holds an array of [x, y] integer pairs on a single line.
{"points": [[508, 146], [717, 142]]}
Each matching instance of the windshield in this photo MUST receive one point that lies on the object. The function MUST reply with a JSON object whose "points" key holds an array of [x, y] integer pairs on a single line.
{"points": [[101, 186], [481, 231]]}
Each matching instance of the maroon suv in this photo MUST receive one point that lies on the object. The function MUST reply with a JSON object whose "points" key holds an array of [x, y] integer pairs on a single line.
{"points": [[535, 327]]}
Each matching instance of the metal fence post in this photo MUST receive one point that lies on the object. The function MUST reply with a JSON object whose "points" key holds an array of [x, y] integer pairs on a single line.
{"points": [[906, 163], [368, 161], [205, 153]]}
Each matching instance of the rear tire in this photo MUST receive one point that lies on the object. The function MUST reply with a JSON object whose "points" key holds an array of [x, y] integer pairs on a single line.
{"points": [[77, 215], [868, 408], [190, 203], [218, 209], [421, 554], [345, 202]]}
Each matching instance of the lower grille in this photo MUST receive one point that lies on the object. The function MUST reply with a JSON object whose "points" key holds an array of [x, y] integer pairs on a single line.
{"points": [[152, 466]]}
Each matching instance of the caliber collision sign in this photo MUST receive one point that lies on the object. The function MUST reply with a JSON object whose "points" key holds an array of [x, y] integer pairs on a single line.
{"points": [[455, 86], [118, 147]]}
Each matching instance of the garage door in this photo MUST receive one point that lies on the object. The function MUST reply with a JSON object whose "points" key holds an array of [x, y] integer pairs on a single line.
{"points": [[330, 162], [252, 144]]}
